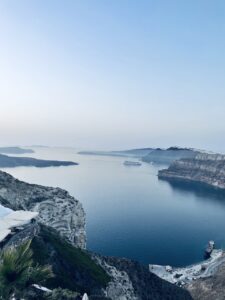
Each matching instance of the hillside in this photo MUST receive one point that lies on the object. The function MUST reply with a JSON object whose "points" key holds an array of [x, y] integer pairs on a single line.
{"points": [[101, 277], [58, 239]]}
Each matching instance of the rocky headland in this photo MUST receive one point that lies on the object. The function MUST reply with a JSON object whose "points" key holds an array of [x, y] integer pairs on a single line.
{"points": [[203, 168]]}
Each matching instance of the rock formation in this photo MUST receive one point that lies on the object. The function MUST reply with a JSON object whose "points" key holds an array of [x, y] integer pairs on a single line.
{"points": [[204, 168], [209, 288], [55, 206], [133, 281]]}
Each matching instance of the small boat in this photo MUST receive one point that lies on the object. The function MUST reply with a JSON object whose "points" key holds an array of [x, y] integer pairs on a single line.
{"points": [[132, 163]]}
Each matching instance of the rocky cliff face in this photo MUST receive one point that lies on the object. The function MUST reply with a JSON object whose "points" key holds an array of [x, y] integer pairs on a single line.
{"points": [[55, 206], [133, 281], [204, 168], [209, 288]]}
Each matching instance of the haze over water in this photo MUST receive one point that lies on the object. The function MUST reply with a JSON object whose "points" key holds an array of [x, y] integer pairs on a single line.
{"points": [[130, 213]]}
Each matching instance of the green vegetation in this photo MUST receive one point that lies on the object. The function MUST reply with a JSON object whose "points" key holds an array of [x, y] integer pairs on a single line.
{"points": [[18, 272], [72, 272], [74, 269], [62, 294]]}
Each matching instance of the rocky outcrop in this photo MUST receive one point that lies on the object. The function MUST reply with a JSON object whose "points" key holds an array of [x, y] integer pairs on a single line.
{"points": [[204, 168], [209, 288], [13, 161], [167, 156], [133, 281], [55, 206]]}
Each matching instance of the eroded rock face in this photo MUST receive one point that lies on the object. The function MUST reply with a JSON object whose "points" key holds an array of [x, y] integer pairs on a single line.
{"points": [[204, 168], [209, 288], [133, 281], [120, 287], [55, 206]]}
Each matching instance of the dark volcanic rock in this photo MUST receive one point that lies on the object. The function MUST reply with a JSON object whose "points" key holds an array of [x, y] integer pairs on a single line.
{"points": [[13, 161]]}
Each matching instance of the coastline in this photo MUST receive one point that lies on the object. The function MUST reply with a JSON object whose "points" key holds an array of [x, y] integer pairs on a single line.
{"points": [[186, 275]]}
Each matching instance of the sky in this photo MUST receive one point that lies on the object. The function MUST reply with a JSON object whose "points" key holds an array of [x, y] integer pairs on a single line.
{"points": [[112, 74]]}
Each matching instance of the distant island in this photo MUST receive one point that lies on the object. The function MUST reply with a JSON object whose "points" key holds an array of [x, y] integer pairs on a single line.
{"points": [[137, 153], [150, 155], [13, 161], [169, 155], [15, 150]]}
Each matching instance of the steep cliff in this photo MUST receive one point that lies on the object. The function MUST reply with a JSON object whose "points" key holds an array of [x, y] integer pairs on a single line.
{"points": [[101, 277], [75, 268], [55, 206], [209, 288], [204, 168]]}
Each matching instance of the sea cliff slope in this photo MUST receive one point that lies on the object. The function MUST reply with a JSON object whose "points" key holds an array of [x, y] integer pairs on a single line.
{"points": [[55, 206], [204, 168]]}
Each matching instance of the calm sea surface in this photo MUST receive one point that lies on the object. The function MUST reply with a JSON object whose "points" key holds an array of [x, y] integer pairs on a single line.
{"points": [[130, 212]]}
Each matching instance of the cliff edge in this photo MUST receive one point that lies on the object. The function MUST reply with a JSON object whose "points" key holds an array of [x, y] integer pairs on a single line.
{"points": [[55, 207], [204, 168]]}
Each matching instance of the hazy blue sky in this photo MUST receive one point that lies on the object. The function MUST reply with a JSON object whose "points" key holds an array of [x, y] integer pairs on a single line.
{"points": [[113, 74]]}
